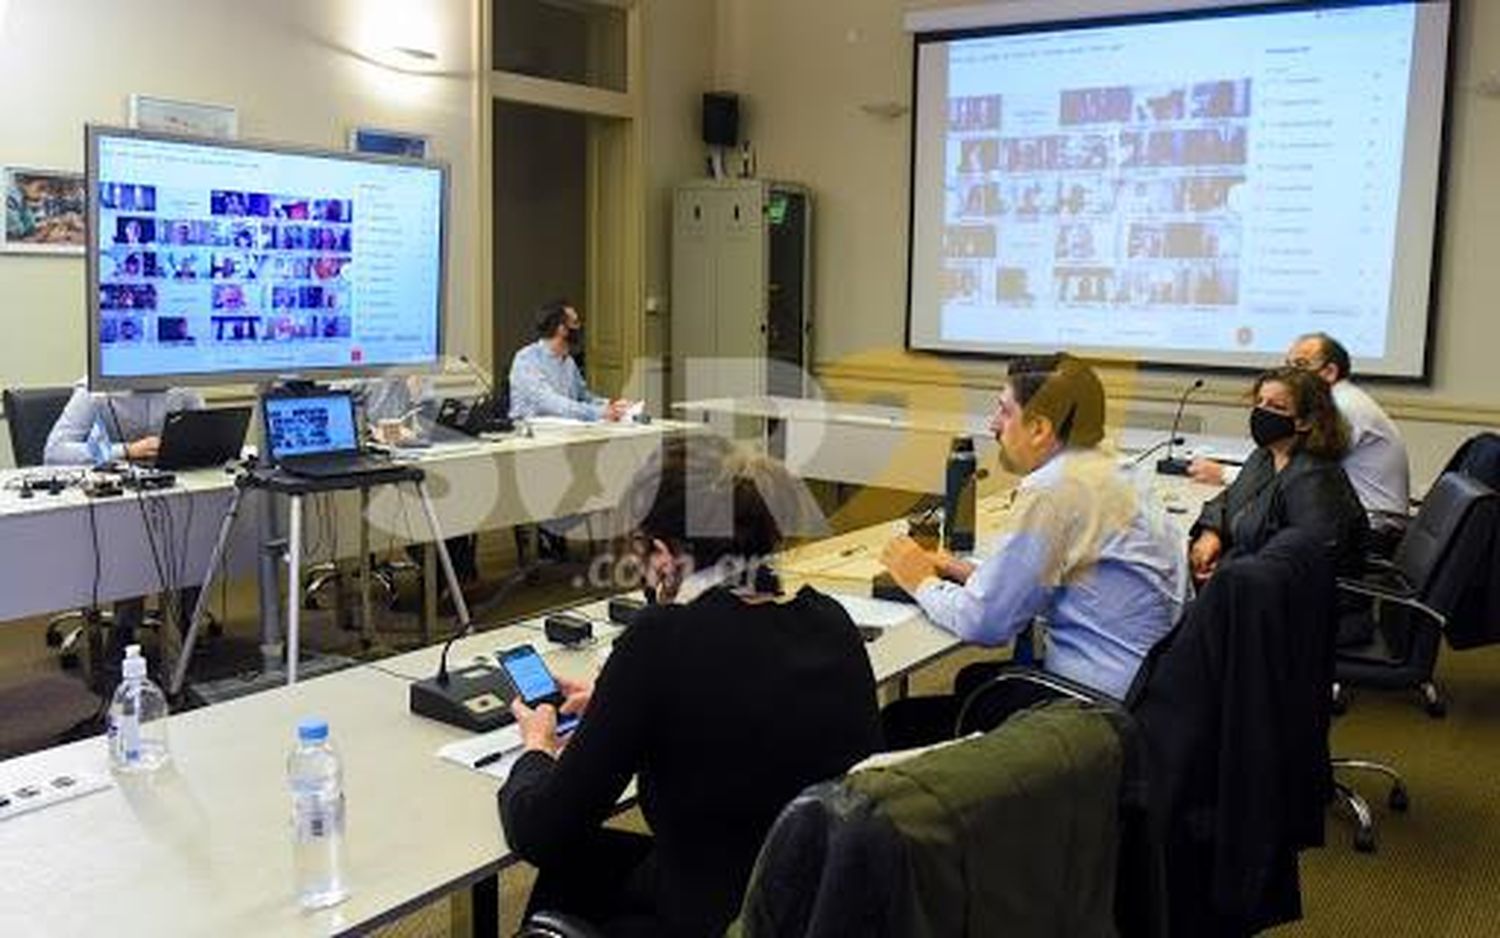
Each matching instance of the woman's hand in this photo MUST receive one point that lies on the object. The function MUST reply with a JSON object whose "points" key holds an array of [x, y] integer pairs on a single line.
{"points": [[538, 726], [1203, 556], [1206, 471], [576, 695]]}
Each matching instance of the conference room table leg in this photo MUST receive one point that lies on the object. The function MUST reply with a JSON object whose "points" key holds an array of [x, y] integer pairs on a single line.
{"points": [[484, 907], [429, 591]]}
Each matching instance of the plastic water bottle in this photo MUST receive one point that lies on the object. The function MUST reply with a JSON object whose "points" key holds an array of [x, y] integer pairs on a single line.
{"points": [[137, 719], [959, 496], [316, 783]]}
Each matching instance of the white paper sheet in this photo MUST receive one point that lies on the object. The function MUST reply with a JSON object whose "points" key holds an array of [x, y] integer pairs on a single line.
{"points": [[883, 613], [466, 752]]}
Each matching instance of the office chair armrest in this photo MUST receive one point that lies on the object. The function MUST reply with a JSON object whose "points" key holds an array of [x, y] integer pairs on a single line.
{"points": [[545, 924], [1031, 686], [1404, 599]]}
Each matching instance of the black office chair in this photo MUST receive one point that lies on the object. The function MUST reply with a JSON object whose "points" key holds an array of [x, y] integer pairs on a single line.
{"points": [[30, 414], [888, 851], [1393, 643], [554, 925], [1244, 674]]}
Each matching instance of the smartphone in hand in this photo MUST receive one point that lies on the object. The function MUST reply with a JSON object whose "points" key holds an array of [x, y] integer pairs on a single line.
{"points": [[534, 683]]}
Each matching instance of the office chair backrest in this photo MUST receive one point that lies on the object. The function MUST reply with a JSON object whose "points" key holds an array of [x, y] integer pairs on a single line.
{"points": [[30, 414], [889, 851], [1478, 457], [1432, 536]]}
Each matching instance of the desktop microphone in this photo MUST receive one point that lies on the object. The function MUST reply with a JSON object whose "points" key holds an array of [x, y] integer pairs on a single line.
{"points": [[1170, 465], [477, 372], [1155, 447], [474, 696]]}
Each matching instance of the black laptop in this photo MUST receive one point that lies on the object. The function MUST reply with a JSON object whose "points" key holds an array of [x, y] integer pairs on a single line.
{"points": [[316, 435], [199, 439]]}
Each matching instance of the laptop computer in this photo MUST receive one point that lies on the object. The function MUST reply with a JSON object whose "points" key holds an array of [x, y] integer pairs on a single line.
{"points": [[199, 439], [317, 436]]}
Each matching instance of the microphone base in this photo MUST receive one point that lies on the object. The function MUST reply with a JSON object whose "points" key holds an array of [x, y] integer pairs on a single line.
{"points": [[476, 698], [1173, 466]]}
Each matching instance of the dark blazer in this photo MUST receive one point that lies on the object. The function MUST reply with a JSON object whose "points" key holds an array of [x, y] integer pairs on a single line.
{"points": [[724, 711], [1311, 493], [1234, 710]]}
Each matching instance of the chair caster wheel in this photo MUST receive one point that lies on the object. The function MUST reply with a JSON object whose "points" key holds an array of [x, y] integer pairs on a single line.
{"points": [[69, 661], [1364, 841], [54, 638], [1340, 705], [1399, 800], [1437, 709]]}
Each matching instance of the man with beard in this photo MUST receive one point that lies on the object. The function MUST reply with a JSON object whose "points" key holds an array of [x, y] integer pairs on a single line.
{"points": [[1084, 553]]}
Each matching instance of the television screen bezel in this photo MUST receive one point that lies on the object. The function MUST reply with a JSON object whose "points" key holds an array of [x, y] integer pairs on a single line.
{"points": [[94, 133]]}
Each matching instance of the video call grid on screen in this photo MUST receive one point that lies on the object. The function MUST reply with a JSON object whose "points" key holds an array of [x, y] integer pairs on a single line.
{"points": [[302, 426], [214, 259], [1193, 188]]}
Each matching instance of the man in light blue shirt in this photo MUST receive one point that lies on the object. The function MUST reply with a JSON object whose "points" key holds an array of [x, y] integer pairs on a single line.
{"points": [[122, 426], [1084, 552], [545, 380]]}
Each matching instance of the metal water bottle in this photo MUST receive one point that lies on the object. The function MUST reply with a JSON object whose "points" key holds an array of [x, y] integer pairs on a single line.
{"points": [[958, 496]]}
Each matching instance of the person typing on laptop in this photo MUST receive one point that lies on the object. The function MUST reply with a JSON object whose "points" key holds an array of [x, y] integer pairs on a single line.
{"points": [[124, 426]]}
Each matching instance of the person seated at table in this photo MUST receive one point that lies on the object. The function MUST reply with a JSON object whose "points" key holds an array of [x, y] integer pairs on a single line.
{"points": [[122, 426], [1083, 551], [546, 381], [1375, 459], [724, 700], [1292, 480]]}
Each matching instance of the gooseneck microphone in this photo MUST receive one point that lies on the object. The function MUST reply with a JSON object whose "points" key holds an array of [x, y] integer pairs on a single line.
{"points": [[478, 372], [1170, 465], [1156, 448], [462, 631]]}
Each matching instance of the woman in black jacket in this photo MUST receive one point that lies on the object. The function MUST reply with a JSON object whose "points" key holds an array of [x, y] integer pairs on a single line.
{"points": [[724, 700], [1292, 480]]}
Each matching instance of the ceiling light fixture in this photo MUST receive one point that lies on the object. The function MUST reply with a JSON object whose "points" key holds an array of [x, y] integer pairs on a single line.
{"points": [[424, 55]]}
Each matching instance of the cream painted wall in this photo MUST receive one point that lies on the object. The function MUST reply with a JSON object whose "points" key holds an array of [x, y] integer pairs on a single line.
{"points": [[803, 70], [678, 54], [298, 71]]}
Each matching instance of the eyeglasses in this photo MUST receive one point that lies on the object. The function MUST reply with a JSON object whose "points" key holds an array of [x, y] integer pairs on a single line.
{"points": [[1305, 364]]}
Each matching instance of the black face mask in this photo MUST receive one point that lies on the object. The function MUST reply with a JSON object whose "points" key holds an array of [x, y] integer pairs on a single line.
{"points": [[1267, 426]]}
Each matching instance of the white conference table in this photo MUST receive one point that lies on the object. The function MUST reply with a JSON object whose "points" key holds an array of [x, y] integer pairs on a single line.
{"points": [[893, 447], [204, 849], [47, 541]]}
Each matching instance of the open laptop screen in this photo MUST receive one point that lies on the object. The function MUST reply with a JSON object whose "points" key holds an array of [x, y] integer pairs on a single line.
{"points": [[310, 426]]}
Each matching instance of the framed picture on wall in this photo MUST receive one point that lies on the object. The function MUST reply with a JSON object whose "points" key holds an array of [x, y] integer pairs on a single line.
{"points": [[44, 212], [388, 142], [184, 117]]}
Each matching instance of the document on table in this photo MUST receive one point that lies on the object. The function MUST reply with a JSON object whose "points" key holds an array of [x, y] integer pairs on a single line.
{"points": [[882, 613], [504, 742]]}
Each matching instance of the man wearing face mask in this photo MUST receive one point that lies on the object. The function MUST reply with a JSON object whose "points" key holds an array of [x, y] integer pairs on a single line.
{"points": [[545, 380], [1083, 551], [1293, 479]]}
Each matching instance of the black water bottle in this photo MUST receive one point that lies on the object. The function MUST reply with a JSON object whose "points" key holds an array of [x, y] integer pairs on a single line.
{"points": [[958, 497]]}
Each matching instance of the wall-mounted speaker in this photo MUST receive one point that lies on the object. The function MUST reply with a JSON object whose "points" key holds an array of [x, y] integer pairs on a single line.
{"points": [[721, 119]]}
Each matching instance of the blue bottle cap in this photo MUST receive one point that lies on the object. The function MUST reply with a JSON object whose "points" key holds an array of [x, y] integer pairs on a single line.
{"points": [[312, 730]]}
